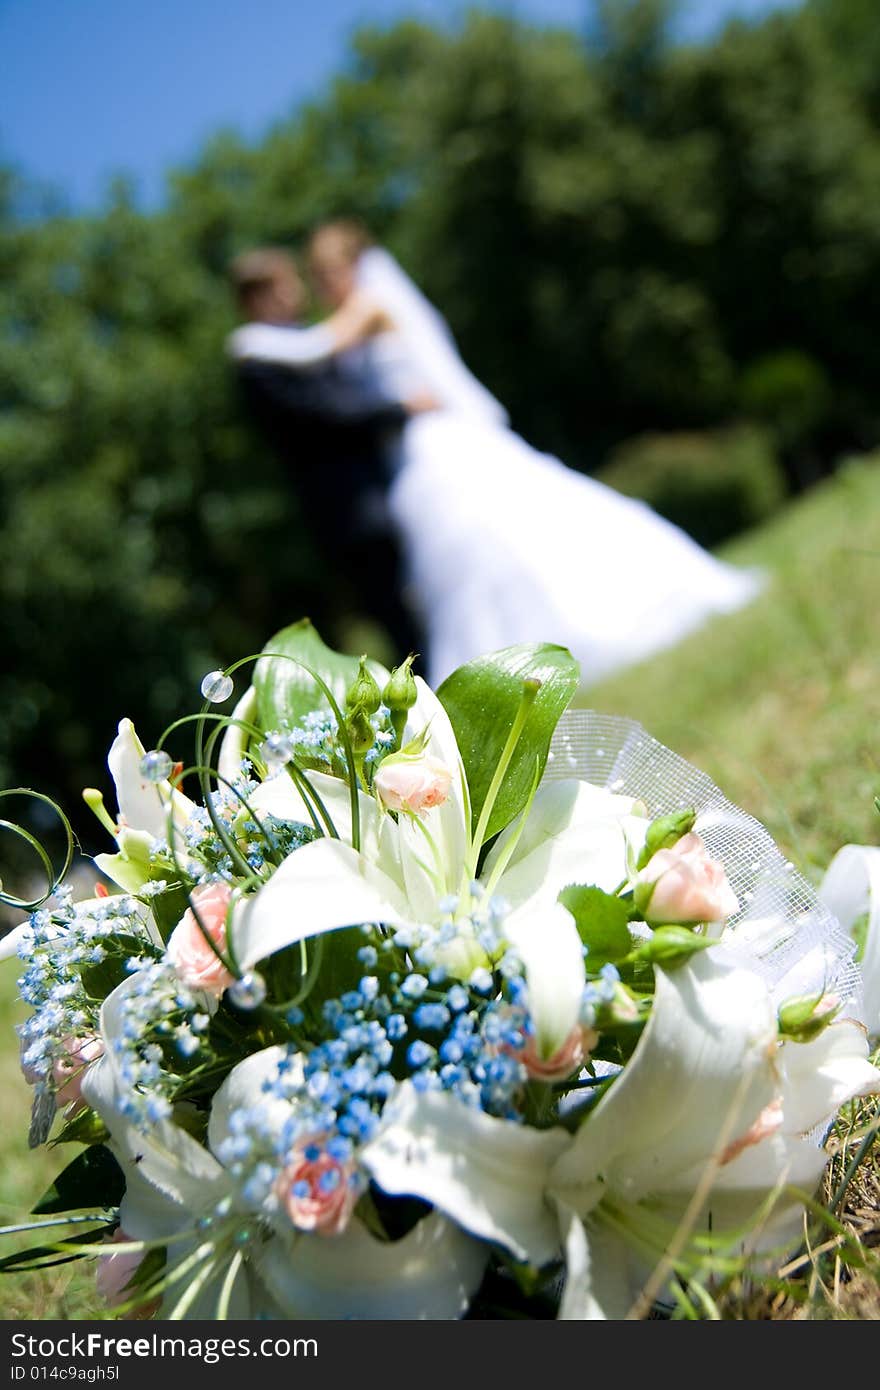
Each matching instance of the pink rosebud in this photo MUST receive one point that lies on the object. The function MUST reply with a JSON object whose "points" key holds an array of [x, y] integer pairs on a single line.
{"points": [[68, 1071], [412, 783], [114, 1274], [195, 962], [683, 884], [566, 1059], [316, 1190]]}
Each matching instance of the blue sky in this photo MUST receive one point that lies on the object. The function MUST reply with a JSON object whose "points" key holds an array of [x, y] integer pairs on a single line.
{"points": [[94, 87]]}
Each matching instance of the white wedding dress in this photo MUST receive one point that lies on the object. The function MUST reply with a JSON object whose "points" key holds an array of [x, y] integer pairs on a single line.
{"points": [[504, 544]]}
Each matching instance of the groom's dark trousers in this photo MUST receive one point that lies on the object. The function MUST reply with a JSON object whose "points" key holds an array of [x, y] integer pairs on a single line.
{"points": [[334, 435]]}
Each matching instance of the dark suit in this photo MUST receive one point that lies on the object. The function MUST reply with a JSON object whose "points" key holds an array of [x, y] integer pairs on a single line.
{"points": [[335, 435]]}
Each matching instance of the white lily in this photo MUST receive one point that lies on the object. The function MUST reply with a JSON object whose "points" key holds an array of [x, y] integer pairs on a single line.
{"points": [[704, 1126], [144, 811], [172, 1185], [172, 1181], [431, 1273], [710, 1100], [489, 1175], [406, 872]]}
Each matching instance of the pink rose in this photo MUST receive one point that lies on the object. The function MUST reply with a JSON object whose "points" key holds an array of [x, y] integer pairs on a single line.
{"points": [[316, 1190], [193, 959], [683, 884], [412, 784], [114, 1274], [566, 1059], [69, 1071]]}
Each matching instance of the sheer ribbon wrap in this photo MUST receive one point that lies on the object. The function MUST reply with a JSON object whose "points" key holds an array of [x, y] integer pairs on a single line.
{"points": [[785, 930]]}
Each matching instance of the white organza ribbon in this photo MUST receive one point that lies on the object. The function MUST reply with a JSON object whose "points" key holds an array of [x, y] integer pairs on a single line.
{"points": [[796, 939]]}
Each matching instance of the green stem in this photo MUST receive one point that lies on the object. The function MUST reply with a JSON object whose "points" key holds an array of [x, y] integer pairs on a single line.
{"points": [[529, 691]]}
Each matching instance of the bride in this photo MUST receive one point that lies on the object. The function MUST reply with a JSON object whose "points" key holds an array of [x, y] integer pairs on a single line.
{"points": [[503, 544]]}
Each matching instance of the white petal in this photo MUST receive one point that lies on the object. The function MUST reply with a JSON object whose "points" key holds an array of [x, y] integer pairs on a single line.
{"points": [[577, 1302], [591, 851], [850, 888], [142, 805], [243, 1089], [323, 886], [488, 1174], [557, 807], [549, 947], [449, 823], [699, 1077], [597, 1281], [170, 1178], [820, 1076], [279, 796], [431, 1273], [758, 1193]]}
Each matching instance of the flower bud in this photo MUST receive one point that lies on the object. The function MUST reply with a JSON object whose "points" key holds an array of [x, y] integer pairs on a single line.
{"points": [[412, 782], [666, 831], [360, 731], [683, 885], [806, 1016], [363, 691], [400, 694], [672, 946]]}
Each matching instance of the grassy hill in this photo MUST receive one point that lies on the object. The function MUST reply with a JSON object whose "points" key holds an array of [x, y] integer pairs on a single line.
{"points": [[780, 703]]}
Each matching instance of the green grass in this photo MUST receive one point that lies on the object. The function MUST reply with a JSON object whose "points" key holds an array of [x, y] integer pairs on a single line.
{"points": [[779, 704], [65, 1291]]}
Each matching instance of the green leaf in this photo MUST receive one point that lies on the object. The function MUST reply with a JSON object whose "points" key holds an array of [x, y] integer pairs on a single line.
{"points": [[86, 1127], [43, 1256], [482, 699], [672, 946], [94, 1178], [602, 921], [100, 979], [169, 907], [285, 689]]}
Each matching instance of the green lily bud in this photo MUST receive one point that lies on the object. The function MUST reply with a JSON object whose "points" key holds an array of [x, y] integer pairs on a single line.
{"points": [[664, 832], [364, 691], [671, 946], [400, 694], [360, 730], [806, 1016]]}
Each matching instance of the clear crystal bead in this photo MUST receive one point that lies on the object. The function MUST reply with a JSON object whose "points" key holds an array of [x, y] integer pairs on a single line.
{"points": [[276, 750], [249, 991], [217, 687], [156, 766]]}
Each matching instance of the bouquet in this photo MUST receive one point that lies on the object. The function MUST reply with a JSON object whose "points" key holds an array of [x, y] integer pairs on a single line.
{"points": [[407, 1004]]}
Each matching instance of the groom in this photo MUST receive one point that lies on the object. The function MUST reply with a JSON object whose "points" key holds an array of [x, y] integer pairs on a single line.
{"points": [[332, 433]]}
